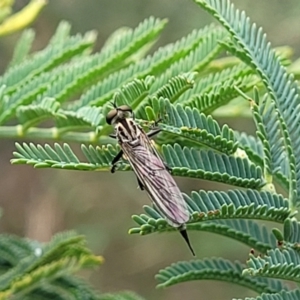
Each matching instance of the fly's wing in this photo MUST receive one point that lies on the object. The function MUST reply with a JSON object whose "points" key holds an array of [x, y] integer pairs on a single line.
{"points": [[158, 182]]}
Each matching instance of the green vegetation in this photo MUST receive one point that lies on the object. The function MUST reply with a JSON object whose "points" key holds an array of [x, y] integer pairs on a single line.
{"points": [[187, 85]]}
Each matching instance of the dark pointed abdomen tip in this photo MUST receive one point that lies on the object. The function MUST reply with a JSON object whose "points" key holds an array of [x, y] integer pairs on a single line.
{"points": [[184, 234]]}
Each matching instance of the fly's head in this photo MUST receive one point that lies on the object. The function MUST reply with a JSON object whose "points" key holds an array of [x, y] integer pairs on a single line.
{"points": [[118, 113]]}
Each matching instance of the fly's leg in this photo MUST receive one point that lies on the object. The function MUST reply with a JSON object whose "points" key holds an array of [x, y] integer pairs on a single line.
{"points": [[169, 169], [115, 160], [114, 166], [155, 130], [140, 184]]}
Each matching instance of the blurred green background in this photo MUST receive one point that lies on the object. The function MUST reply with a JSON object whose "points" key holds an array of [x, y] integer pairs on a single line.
{"points": [[39, 203]]}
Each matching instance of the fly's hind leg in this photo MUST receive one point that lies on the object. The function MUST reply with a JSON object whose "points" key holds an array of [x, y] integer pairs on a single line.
{"points": [[169, 169], [141, 186]]}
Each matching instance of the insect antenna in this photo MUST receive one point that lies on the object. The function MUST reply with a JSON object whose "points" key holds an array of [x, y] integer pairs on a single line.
{"points": [[184, 234], [113, 103]]}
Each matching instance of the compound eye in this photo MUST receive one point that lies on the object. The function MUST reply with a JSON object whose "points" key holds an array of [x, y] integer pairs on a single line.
{"points": [[125, 108], [111, 115]]}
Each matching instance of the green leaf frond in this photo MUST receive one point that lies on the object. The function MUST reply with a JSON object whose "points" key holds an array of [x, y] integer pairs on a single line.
{"points": [[221, 95], [64, 288], [48, 108], [65, 80], [62, 32], [86, 117], [206, 50], [277, 155], [33, 114], [283, 295], [12, 250], [251, 145], [50, 272], [66, 244], [186, 122], [22, 96], [36, 265], [63, 157], [281, 264], [213, 96], [22, 47], [248, 232], [183, 161], [121, 296], [79, 75], [45, 60], [100, 93], [291, 233], [208, 206], [169, 54], [215, 269], [132, 40], [206, 82], [209, 165], [155, 64], [171, 90], [282, 87], [270, 206], [179, 83], [269, 132], [134, 93], [254, 150], [94, 68]]}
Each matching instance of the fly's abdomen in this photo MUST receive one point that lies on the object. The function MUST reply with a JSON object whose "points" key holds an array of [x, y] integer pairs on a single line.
{"points": [[159, 184]]}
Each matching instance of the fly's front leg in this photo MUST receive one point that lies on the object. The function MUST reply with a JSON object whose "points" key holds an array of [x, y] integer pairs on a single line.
{"points": [[115, 160], [155, 130], [114, 166]]}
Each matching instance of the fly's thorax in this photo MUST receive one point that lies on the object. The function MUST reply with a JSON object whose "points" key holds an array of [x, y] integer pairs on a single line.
{"points": [[127, 131]]}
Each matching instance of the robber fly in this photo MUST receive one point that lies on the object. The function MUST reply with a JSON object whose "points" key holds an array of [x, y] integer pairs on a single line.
{"points": [[152, 174]]}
